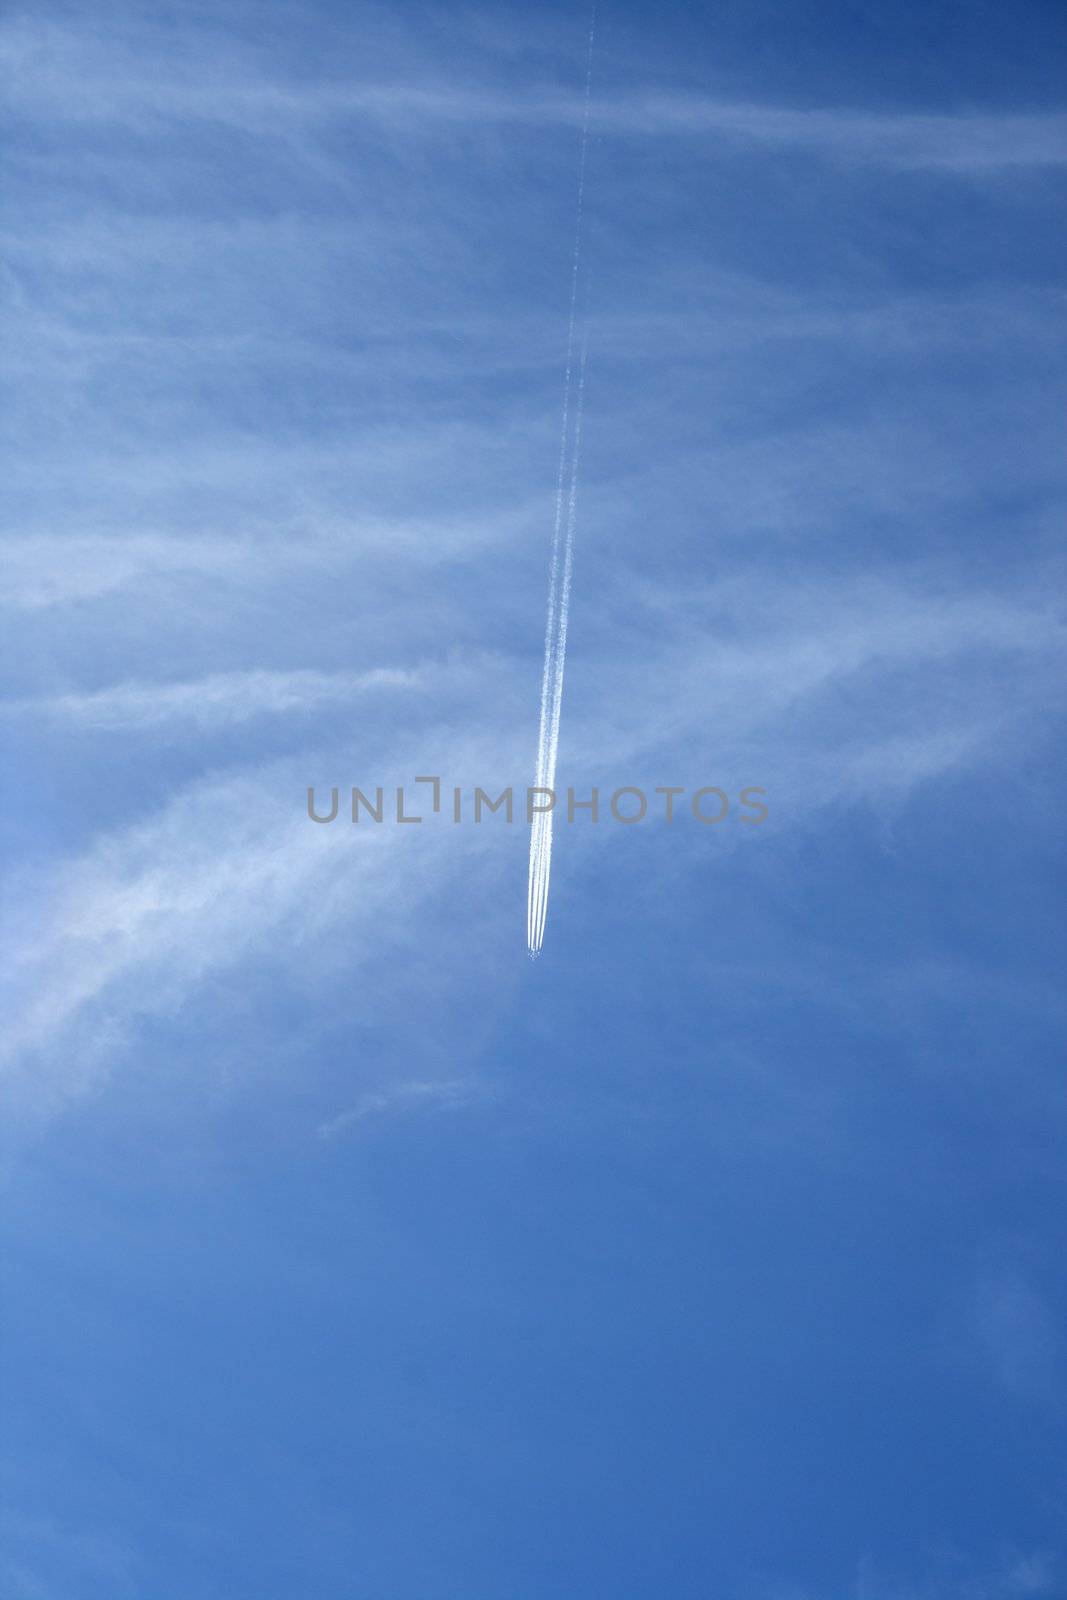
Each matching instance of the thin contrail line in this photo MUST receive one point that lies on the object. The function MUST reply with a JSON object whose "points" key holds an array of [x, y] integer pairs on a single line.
{"points": [[559, 573]]}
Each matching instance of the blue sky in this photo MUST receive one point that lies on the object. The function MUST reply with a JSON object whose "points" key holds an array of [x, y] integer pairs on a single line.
{"points": [[347, 1252]]}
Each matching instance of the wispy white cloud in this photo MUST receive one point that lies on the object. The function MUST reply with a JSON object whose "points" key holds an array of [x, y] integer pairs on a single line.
{"points": [[218, 700], [70, 75], [952, 143], [827, 692], [955, 1577], [177, 542], [38, 571], [762, 686], [404, 1097], [952, 1576]]}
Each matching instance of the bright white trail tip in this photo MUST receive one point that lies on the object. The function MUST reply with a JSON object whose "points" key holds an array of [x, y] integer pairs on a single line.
{"points": [[561, 563]]}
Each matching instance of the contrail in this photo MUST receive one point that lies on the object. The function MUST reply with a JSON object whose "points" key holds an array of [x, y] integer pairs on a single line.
{"points": [[562, 561]]}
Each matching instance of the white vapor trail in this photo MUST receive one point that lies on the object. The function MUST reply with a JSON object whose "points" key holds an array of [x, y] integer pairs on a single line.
{"points": [[562, 561]]}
